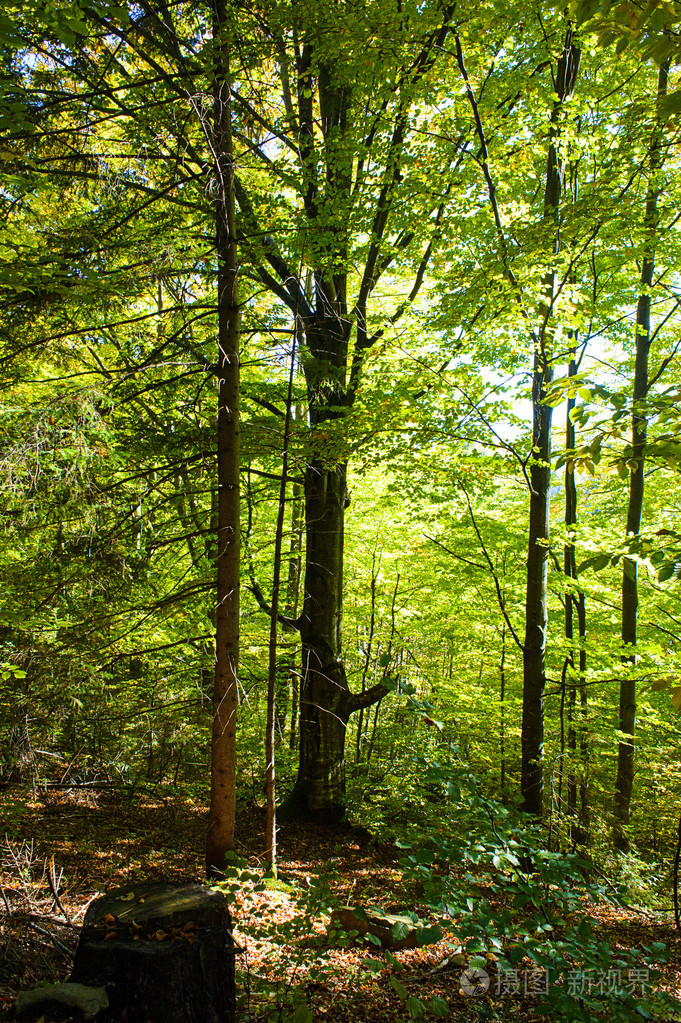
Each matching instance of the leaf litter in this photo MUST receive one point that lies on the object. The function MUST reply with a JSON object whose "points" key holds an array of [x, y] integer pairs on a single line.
{"points": [[60, 851]]}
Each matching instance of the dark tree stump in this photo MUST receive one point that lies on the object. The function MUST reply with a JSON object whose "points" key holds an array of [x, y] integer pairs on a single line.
{"points": [[164, 952]]}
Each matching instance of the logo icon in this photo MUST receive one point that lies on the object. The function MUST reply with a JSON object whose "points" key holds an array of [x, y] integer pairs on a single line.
{"points": [[474, 982]]}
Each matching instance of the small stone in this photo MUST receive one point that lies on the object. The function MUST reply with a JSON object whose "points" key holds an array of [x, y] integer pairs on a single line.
{"points": [[90, 1000], [379, 925]]}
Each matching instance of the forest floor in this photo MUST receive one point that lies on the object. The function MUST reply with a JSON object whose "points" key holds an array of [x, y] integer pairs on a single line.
{"points": [[92, 840]]}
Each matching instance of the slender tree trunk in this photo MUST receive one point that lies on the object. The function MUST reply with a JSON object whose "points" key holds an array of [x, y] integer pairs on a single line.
{"points": [[574, 602], [367, 658], [374, 731], [271, 822], [536, 614], [220, 836], [292, 606], [624, 780], [569, 567], [582, 835], [502, 711]]}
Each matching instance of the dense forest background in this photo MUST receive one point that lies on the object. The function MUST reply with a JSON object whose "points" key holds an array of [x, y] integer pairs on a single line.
{"points": [[375, 307]]}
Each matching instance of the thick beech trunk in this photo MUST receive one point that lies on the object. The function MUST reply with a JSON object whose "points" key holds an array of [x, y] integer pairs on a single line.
{"points": [[536, 615], [325, 702], [624, 780], [337, 170], [220, 836]]}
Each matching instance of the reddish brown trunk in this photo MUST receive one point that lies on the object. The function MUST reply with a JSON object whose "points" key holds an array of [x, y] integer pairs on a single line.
{"points": [[220, 836]]}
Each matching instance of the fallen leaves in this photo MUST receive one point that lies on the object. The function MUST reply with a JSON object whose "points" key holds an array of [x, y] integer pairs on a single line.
{"points": [[109, 841]]}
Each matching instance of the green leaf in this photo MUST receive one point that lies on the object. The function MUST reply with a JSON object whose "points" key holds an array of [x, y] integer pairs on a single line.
{"points": [[399, 988], [439, 1007], [415, 1007], [429, 935], [671, 104], [393, 961], [372, 965], [666, 572]]}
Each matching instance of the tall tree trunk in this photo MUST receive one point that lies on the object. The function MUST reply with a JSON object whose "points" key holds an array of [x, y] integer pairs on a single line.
{"points": [[333, 169], [502, 713], [369, 640], [326, 702], [536, 615], [271, 821], [292, 602], [220, 836], [624, 780], [574, 602], [319, 792]]}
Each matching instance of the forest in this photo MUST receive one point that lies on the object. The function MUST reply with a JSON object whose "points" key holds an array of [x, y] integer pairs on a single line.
{"points": [[340, 349]]}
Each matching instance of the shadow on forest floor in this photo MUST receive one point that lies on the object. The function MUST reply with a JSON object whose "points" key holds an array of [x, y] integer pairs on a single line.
{"points": [[91, 840]]}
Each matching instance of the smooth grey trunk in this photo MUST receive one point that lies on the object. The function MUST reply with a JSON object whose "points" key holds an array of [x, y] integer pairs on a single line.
{"points": [[326, 702], [536, 612], [624, 780]]}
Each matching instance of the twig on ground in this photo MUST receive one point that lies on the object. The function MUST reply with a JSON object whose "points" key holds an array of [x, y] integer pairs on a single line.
{"points": [[55, 941], [54, 888], [81, 911]]}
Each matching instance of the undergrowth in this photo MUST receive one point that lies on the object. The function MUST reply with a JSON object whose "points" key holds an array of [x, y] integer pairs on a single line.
{"points": [[511, 920]]}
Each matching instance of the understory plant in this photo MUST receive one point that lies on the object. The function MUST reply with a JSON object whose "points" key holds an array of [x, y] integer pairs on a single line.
{"points": [[522, 912]]}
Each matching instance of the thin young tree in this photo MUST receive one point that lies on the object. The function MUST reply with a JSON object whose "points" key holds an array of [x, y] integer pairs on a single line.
{"points": [[536, 600], [270, 745], [624, 779], [539, 476]]}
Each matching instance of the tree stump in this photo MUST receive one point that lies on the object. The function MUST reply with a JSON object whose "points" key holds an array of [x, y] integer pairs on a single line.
{"points": [[164, 952]]}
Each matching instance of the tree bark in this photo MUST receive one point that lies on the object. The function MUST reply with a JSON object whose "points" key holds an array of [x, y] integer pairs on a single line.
{"points": [[270, 767], [220, 836], [295, 566], [624, 780], [574, 602], [536, 614], [319, 792]]}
